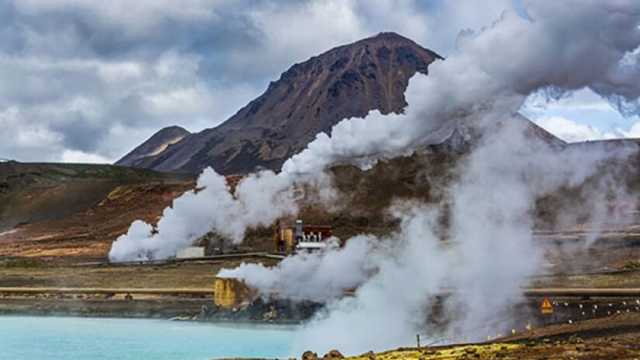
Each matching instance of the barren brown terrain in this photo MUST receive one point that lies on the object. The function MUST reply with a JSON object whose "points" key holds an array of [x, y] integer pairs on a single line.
{"points": [[90, 232], [614, 337], [76, 211], [46, 248]]}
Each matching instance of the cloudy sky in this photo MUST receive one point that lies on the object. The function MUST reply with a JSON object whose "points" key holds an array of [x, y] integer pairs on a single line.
{"points": [[86, 80]]}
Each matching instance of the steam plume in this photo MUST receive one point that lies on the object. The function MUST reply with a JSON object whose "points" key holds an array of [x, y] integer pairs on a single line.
{"points": [[490, 254], [491, 250], [258, 200], [493, 71], [312, 276]]}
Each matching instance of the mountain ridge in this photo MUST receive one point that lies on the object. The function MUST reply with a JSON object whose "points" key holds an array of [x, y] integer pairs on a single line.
{"points": [[308, 98], [154, 145]]}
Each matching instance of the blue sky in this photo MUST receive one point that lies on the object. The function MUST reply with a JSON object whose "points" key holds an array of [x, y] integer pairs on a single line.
{"points": [[86, 80], [579, 116]]}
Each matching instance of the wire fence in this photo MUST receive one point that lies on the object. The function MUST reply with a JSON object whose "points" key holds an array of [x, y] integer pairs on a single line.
{"points": [[443, 340], [492, 331]]}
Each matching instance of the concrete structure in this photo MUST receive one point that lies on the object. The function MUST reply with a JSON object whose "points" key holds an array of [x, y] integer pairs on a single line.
{"points": [[191, 252], [229, 293]]}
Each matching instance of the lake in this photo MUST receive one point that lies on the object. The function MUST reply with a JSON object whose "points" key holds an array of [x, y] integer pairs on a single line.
{"points": [[69, 338]]}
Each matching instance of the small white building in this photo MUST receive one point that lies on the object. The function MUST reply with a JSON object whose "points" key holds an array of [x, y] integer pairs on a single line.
{"points": [[190, 252], [310, 246]]}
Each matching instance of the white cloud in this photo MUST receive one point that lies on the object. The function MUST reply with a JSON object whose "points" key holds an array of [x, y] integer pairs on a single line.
{"points": [[75, 156], [633, 132], [580, 116], [60, 104], [581, 100], [24, 139], [24, 135], [446, 23], [121, 72], [572, 131], [134, 16], [313, 27]]}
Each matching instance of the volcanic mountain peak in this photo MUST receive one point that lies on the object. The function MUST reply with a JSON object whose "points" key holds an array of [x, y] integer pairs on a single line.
{"points": [[155, 145], [381, 47], [387, 39], [308, 98]]}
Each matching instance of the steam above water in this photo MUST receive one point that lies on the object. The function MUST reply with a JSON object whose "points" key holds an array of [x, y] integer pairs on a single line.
{"points": [[489, 253], [488, 256], [313, 276]]}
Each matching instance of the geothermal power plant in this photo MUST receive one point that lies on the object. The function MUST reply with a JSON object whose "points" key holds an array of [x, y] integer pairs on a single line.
{"points": [[320, 180]]}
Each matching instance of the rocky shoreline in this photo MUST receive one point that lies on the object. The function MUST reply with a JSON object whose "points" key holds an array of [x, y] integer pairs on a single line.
{"points": [[170, 308]]}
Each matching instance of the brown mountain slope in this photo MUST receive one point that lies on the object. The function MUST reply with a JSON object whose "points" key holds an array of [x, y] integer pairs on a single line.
{"points": [[310, 97], [156, 144], [77, 209]]}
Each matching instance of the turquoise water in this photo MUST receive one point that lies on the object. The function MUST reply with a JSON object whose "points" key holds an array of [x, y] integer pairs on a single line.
{"points": [[60, 338]]}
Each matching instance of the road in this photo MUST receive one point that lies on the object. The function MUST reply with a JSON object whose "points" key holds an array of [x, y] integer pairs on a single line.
{"points": [[532, 292]]}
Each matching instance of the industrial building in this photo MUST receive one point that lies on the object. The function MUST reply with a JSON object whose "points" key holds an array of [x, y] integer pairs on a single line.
{"points": [[288, 239], [301, 237]]}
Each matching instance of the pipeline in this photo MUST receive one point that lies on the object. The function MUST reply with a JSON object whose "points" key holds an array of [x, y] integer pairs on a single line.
{"points": [[531, 292]]}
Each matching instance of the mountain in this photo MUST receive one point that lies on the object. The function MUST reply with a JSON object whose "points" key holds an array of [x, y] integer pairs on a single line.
{"points": [[155, 145], [310, 97], [466, 135]]}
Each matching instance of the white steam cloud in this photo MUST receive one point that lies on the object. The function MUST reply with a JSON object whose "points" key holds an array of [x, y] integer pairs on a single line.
{"points": [[312, 276], [490, 251], [488, 256], [493, 72], [259, 199]]}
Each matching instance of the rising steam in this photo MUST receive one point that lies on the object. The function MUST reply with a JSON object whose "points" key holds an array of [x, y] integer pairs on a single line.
{"points": [[312, 276], [490, 251], [258, 200], [486, 259]]}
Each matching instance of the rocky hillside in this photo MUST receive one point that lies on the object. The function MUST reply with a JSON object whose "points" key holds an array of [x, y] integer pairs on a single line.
{"points": [[155, 145], [77, 209], [309, 98]]}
